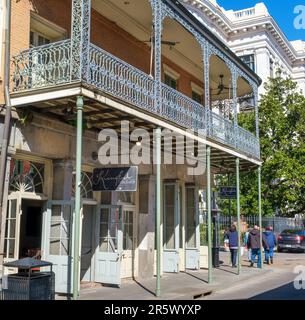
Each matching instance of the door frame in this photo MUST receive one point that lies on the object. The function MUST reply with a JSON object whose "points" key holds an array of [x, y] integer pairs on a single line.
{"points": [[174, 253], [193, 252], [19, 196], [94, 204], [133, 208], [47, 215], [97, 239]]}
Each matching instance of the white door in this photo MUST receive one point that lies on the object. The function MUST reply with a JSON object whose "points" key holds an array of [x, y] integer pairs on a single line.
{"points": [[192, 233], [127, 264], [109, 245], [171, 217], [12, 230], [57, 242]]}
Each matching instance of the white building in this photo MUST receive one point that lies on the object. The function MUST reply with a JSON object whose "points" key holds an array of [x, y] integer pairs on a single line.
{"points": [[254, 36]]}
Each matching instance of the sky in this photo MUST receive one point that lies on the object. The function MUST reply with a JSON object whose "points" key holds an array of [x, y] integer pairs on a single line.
{"points": [[281, 10]]}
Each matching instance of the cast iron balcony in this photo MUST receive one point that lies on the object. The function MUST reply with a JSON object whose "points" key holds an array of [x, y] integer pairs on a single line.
{"points": [[50, 65]]}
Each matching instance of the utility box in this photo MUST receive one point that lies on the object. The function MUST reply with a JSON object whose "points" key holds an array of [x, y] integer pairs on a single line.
{"points": [[29, 283]]}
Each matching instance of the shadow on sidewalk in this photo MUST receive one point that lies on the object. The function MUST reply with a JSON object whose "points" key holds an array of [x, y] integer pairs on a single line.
{"points": [[192, 275], [143, 287]]}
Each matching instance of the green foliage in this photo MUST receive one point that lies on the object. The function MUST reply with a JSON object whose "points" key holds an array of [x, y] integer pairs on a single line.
{"points": [[282, 137]]}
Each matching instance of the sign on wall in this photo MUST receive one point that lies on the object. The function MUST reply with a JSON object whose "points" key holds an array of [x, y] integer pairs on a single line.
{"points": [[115, 179], [227, 193]]}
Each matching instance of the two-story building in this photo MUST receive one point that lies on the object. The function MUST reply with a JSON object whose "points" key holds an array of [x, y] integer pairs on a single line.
{"points": [[81, 66]]}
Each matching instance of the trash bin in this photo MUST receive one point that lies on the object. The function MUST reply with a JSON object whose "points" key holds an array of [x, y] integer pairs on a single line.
{"points": [[215, 257], [28, 284]]}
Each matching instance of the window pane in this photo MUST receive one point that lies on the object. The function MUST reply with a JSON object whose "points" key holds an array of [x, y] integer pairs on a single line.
{"points": [[54, 247], [11, 244], [196, 97], [170, 82], [169, 217], [66, 212], [103, 245], [12, 228], [13, 208], [64, 247], [56, 213]]}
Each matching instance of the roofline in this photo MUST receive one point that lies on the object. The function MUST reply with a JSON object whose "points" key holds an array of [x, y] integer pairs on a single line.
{"points": [[183, 11]]}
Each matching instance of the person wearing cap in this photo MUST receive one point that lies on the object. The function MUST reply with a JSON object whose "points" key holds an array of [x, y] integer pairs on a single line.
{"points": [[271, 241]]}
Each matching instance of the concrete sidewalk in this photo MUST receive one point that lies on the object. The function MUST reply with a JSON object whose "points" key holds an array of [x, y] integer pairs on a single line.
{"points": [[184, 285]]}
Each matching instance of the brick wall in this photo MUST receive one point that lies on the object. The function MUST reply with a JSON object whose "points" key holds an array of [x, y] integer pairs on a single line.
{"points": [[105, 34]]}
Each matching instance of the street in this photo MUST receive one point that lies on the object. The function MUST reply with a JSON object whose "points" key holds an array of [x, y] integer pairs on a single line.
{"points": [[276, 285]]}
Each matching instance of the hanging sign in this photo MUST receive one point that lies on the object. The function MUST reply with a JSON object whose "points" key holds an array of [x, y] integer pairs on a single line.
{"points": [[227, 193], [115, 179]]}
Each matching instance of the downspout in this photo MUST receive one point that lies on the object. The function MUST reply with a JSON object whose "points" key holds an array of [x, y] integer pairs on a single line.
{"points": [[7, 120]]}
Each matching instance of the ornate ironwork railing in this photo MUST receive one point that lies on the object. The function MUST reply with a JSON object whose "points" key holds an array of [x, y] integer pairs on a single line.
{"points": [[50, 65], [118, 78], [182, 110], [247, 142], [221, 129]]}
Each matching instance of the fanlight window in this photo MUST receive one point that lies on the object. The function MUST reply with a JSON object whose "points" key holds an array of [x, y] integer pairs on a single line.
{"points": [[26, 176], [86, 185]]}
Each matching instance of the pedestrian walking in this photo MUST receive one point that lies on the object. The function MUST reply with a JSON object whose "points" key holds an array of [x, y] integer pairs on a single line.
{"points": [[254, 243], [271, 241], [246, 237], [233, 245]]}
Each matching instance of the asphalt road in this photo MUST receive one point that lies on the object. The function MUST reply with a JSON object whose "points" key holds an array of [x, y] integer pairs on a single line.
{"points": [[277, 285]]}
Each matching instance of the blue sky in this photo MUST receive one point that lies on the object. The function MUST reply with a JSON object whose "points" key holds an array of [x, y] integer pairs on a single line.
{"points": [[281, 10]]}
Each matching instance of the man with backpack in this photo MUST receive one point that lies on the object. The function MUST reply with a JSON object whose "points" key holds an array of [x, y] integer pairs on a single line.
{"points": [[271, 241]]}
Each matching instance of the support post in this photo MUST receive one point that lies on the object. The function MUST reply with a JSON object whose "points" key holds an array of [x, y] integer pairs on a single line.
{"points": [[234, 87], [158, 24], [209, 212], [206, 64], [80, 39], [238, 214], [77, 217], [158, 210], [260, 212]]}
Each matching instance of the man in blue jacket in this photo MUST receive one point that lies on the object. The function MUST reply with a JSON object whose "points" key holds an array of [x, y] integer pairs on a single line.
{"points": [[271, 241]]}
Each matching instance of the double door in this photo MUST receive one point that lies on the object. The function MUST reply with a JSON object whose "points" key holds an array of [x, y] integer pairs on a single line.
{"points": [[112, 248], [181, 234]]}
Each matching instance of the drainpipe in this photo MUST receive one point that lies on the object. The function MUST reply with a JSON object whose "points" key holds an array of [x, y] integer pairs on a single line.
{"points": [[7, 121]]}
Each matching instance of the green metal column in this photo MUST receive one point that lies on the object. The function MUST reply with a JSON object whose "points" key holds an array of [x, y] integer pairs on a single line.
{"points": [[238, 213], [209, 212], [77, 217], [260, 211], [158, 209]]}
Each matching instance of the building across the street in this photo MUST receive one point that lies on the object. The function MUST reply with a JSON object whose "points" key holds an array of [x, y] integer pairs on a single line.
{"points": [[255, 37], [135, 68]]}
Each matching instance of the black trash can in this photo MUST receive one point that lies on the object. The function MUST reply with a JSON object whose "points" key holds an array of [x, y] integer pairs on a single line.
{"points": [[29, 283], [215, 257]]}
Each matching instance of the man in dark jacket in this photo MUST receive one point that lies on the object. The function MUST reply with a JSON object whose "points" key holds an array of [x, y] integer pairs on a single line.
{"points": [[254, 243], [271, 241]]}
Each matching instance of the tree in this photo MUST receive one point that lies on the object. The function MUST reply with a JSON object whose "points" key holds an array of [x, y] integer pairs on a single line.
{"points": [[282, 137]]}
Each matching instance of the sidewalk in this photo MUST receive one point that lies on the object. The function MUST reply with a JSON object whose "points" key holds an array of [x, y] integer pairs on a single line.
{"points": [[188, 285]]}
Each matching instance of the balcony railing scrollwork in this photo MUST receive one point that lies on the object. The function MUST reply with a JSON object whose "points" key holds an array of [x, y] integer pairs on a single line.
{"points": [[50, 65]]}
